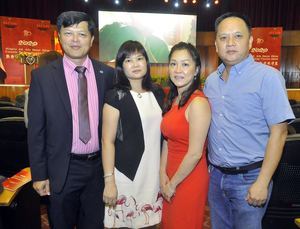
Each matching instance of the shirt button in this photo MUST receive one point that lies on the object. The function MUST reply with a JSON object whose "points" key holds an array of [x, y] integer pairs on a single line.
{"points": [[223, 97], [220, 114], [220, 149], [219, 131]]}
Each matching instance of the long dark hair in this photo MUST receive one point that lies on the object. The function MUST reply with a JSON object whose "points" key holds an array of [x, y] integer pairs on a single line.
{"points": [[173, 93], [126, 49]]}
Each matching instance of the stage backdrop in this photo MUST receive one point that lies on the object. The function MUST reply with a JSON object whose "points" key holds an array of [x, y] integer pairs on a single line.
{"points": [[157, 32], [267, 45], [23, 40]]}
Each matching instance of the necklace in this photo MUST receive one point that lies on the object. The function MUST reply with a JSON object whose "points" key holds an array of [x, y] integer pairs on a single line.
{"points": [[139, 95]]}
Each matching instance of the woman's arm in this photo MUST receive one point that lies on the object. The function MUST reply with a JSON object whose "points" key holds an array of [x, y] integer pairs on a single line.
{"points": [[198, 115], [109, 129], [164, 179]]}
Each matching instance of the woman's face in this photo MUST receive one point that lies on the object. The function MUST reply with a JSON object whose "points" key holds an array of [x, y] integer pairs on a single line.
{"points": [[182, 69], [135, 66]]}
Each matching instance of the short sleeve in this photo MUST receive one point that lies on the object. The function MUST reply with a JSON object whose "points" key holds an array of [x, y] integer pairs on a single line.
{"points": [[275, 104], [111, 98]]}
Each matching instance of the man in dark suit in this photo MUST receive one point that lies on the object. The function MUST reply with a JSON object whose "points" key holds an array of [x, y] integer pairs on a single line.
{"points": [[65, 113]]}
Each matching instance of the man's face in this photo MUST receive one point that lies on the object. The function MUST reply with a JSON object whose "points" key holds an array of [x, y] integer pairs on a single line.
{"points": [[233, 41], [76, 41]]}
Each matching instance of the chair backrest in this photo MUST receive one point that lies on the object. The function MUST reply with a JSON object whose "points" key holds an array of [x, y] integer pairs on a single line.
{"points": [[284, 204], [13, 146], [7, 104], [286, 180], [11, 112], [296, 125], [296, 110]]}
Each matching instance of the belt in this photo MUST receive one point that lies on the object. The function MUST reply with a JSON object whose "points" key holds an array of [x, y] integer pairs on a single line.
{"points": [[85, 157], [239, 169]]}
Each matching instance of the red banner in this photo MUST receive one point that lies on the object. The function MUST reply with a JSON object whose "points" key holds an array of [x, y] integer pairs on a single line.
{"points": [[23, 40], [57, 45], [266, 45]]}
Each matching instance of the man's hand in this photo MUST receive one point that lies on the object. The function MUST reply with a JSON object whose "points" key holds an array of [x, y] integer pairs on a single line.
{"points": [[42, 187], [257, 194]]}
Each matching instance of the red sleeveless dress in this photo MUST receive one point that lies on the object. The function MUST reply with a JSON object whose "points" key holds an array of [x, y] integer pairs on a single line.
{"points": [[186, 209]]}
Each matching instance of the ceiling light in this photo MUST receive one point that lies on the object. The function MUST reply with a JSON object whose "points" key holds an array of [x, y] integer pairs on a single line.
{"points": [[207, 4]]}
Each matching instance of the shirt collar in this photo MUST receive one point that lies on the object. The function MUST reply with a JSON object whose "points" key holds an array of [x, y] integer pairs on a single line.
{"points": [[238, 68], [87, 63]]}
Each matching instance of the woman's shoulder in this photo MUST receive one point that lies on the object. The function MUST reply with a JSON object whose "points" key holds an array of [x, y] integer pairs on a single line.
{"points": [[115, 95], [198, 93]]}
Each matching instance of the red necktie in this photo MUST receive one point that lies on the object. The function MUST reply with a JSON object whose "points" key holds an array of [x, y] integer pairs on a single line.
{"points": [[83, 108]]}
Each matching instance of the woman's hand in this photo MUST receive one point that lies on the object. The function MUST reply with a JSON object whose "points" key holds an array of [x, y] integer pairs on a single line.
{"points": [[169, 191], [164, 180], [110, 193]]}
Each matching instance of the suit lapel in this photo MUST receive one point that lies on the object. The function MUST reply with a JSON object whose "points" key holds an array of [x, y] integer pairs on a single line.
{"points": [[100, 84], [61, 84]]}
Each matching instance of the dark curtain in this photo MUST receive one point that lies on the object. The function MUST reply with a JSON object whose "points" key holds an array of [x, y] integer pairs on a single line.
{"points": [[263, 13]]}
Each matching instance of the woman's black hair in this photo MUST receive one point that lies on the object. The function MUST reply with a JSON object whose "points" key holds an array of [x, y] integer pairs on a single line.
{"points": [[173, 93], [128, 48]]}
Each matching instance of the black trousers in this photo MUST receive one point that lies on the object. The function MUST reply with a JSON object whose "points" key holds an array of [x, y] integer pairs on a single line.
{"points": [[80, 202]]}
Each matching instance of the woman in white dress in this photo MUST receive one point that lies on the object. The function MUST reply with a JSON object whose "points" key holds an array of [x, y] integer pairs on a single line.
{"points": [[131, 143]]}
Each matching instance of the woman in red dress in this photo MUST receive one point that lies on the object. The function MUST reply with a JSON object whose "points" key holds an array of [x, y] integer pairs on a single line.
{"points": [[183, 170]]}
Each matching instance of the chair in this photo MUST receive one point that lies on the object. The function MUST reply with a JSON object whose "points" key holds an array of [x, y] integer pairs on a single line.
{"points": [[23, 212], [13, 145], [284, 205], [6, 104], [296, 110], [296, 125], [11, 112]]}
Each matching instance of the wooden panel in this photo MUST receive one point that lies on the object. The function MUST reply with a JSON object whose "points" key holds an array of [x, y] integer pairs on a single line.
{"points": [[291, 38], [294, 94], [290, 59], [12, 91], [205, 38], [209, 59]]}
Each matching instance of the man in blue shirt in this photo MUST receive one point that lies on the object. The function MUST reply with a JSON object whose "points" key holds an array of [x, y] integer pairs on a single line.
{"points": [[250, 111]]}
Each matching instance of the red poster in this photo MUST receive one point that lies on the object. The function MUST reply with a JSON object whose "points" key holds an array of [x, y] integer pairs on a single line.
{"points": [[266, 45], [22, 41], [57, 46]]}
